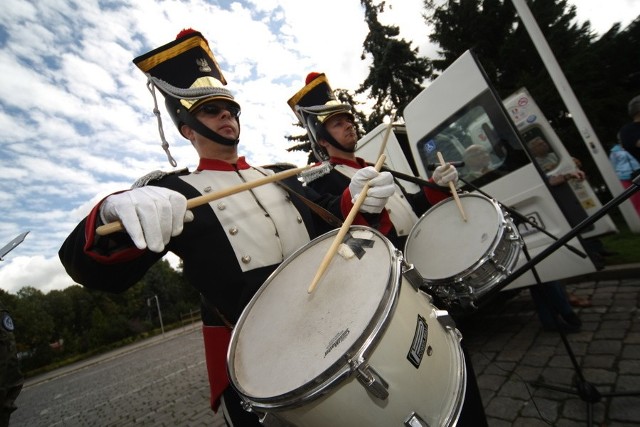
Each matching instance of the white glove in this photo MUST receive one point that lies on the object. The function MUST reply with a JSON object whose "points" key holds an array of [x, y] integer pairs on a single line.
{"points": [[151, 215], [381, 187], [443, 175]]}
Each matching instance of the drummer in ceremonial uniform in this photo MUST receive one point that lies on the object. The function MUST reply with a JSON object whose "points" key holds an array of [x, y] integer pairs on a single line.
{"points": [[332, 132], [229, 246]]}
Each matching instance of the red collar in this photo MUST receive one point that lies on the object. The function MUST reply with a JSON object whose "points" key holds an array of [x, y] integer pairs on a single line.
{"points": [[221, 165], [358, 164]]}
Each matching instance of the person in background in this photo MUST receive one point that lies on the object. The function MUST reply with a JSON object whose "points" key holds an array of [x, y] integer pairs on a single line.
{"points": [[626, 167], [629, 133], [543, 154], [11, 378], [228, 247], [564, 196], [10, 375], [551, 299], [332, 133]]}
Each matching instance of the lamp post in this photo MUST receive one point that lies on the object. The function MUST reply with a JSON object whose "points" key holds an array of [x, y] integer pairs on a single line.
{"points": [[159, 312]]}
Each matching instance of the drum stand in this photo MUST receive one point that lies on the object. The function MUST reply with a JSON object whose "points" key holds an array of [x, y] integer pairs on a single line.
{"points": [[585, 390]]}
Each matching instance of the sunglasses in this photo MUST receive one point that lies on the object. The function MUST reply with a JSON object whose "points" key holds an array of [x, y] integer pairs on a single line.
{"points": [[215, 109]]}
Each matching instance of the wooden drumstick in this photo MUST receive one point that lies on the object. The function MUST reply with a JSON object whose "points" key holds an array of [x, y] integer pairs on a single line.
{"points": [[452, 187], [115, 226], [383, 146], [343, 230], [352, 213]]}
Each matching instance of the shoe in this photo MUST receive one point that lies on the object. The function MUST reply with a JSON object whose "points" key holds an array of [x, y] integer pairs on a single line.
{"points": [[576, 301], [569, 323], [572, 319]]}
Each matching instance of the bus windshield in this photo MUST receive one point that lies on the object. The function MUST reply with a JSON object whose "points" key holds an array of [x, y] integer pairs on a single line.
{"points": [[481, 136]]}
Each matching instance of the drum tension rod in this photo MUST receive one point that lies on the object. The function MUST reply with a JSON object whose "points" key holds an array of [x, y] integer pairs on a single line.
{"points": [[373, 382]]}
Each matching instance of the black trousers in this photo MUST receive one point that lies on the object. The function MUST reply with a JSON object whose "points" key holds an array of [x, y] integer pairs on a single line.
{"points": [[472, 413], [234, 414]]}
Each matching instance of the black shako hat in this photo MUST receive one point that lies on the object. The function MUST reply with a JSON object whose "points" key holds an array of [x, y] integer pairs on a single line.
{"points": [[186, 72], [314, 104]]}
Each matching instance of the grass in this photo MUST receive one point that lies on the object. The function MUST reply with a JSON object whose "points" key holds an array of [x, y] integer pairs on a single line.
{"points": [[625, 244]]}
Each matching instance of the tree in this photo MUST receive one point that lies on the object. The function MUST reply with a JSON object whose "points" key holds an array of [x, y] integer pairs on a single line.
{"points": [[86, 320], [617, 79], [460, 25], [396, 73], [35, 327], [395, 77]]}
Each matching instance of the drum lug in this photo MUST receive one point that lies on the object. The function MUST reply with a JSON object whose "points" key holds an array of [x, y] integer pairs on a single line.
{"points": [[445, 319], [269, 419], [414, 420], [414, 277], [373, 382]]}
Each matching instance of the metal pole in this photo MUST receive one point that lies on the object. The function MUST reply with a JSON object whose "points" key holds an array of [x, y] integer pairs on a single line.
{"points": [[159, 315], [159, 312], [587, 133]]}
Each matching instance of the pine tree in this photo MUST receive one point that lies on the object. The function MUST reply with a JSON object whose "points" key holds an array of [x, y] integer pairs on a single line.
{"points": [[396, 74]]}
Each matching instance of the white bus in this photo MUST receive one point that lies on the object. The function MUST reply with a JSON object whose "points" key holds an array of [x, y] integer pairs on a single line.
{"points": [[460, 109]]}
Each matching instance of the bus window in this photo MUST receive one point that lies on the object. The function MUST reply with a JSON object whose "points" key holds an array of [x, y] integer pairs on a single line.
{"points": [[481, 136]]}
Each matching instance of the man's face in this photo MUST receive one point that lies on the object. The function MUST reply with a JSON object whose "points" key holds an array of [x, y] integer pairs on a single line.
{"points": [[221, 117], [343, 130], [539, 147]]}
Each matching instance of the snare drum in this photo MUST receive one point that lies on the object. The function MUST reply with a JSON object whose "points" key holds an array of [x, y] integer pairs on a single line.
{"points": [[462, 260], [366, 347]]}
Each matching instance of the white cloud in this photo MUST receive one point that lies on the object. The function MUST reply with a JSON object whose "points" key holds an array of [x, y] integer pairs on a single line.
{"points": [[42, 273]]}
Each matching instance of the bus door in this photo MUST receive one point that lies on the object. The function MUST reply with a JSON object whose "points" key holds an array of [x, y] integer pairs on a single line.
{"points": [[460, 116], [533, 127]]}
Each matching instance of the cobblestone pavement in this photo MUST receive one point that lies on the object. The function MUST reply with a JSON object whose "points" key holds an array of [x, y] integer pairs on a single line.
{"points": [[162, 381], [518, 364]]}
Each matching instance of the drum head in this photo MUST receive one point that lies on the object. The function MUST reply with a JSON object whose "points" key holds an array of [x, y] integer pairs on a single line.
{"points": [[288, 340], [442, 245]]}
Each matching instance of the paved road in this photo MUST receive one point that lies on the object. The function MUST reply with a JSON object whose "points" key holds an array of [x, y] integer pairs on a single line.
{"points": [[162, 381]]}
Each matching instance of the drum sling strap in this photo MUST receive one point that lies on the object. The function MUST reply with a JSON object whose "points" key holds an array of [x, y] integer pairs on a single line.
{"points": [[319, 210]]}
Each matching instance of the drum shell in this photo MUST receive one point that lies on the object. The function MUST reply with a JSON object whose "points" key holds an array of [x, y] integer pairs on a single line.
{"points": [[434, 390], [459, 259]]}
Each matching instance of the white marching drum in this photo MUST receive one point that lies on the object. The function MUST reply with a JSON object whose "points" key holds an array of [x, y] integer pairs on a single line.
{"points": [[461, 260], [364, 348]]}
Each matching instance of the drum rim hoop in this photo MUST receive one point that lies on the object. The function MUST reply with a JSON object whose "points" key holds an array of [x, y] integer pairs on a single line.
{"points": [[341, 368], [486, 257]]}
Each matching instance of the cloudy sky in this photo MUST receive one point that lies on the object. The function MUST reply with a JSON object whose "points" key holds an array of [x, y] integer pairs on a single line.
{"points": [[76, 116]]}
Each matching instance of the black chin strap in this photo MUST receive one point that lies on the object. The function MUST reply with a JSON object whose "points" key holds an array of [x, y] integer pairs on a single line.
{"points": [[324, 134], [203, 130]]}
